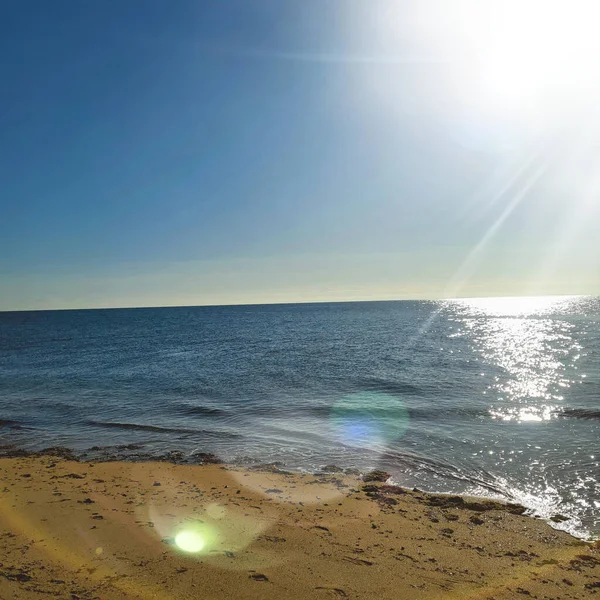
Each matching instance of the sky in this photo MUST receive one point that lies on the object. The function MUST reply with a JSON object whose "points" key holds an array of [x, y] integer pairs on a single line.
{"points": [[161, 153]]}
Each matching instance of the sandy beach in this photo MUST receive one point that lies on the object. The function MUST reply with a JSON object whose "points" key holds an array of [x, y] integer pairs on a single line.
{"points": [[155, 530]]}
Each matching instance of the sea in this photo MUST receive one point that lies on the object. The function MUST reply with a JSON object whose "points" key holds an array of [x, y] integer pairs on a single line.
{"points": [[494, 397]]}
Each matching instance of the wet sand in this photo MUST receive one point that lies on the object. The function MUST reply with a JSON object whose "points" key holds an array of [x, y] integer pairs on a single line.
{"points": [[110, 530]]}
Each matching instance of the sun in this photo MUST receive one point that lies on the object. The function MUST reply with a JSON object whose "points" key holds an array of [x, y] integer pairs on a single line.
{"points": [[528, 63], [534, 53]]}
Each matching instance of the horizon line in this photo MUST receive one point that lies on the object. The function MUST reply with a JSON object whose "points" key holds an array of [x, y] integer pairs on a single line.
{"points": [[305, 302]]}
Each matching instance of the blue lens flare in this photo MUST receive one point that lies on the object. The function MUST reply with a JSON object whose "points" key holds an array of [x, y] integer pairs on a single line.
{"points": [[369, 418]]}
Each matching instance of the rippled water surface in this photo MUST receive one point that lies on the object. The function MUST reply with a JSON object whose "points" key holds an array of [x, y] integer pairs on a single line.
{"points": [[496, 396]]}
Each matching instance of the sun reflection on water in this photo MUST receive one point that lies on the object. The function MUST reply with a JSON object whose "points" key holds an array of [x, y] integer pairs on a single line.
{"points": [[518, 339], [515, 306]]}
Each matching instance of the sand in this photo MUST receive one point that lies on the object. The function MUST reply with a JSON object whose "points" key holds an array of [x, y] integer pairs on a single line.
{"points": [[79, 530]]}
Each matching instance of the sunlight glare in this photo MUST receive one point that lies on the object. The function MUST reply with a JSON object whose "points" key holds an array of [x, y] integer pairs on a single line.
{"points": [[533, 48], [520, 338], [514, 306]]}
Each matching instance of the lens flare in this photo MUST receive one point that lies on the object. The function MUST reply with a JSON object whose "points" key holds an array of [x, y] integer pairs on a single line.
{"points": [[370, 419], [190, 541]]}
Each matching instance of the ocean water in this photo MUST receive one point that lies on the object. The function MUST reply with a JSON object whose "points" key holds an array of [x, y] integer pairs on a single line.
{"points": [[497, 397]]}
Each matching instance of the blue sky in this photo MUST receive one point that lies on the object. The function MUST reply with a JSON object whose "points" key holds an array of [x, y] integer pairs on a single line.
{"points": [[165, 153]]}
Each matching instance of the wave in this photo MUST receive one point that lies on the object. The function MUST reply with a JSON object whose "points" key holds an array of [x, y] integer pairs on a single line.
{"points": [[138, 427], [202, 388], [475, 477], [375, 384], [54, 405], [426, 414], [326, 410], [579, 413], [285, 410], [157, 429], [188, 409]]}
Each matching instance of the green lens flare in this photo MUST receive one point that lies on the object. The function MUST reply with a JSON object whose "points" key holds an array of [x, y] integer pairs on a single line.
{"points": [[369, 418], [190, 541]]}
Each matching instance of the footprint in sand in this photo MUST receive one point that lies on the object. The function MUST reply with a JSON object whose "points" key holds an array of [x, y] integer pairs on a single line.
{"points": [[357, 561], [333, 592]]}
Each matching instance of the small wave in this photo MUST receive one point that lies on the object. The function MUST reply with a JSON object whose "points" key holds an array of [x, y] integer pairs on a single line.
{"points": [[157, 429], [426, 414], [198, 389], [579, 413], [375, 384], [422, 414], [317, 411], [138, 427], [7, 423], [290, 410], [50, 405], [419, 464], [188, 409]]}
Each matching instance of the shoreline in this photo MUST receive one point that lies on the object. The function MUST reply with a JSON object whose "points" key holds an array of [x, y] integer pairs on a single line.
{"points": [[119, 530], [135, 453]]}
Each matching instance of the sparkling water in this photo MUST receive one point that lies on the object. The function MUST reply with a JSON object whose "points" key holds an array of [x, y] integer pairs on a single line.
{"points": [[497, 397]]}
